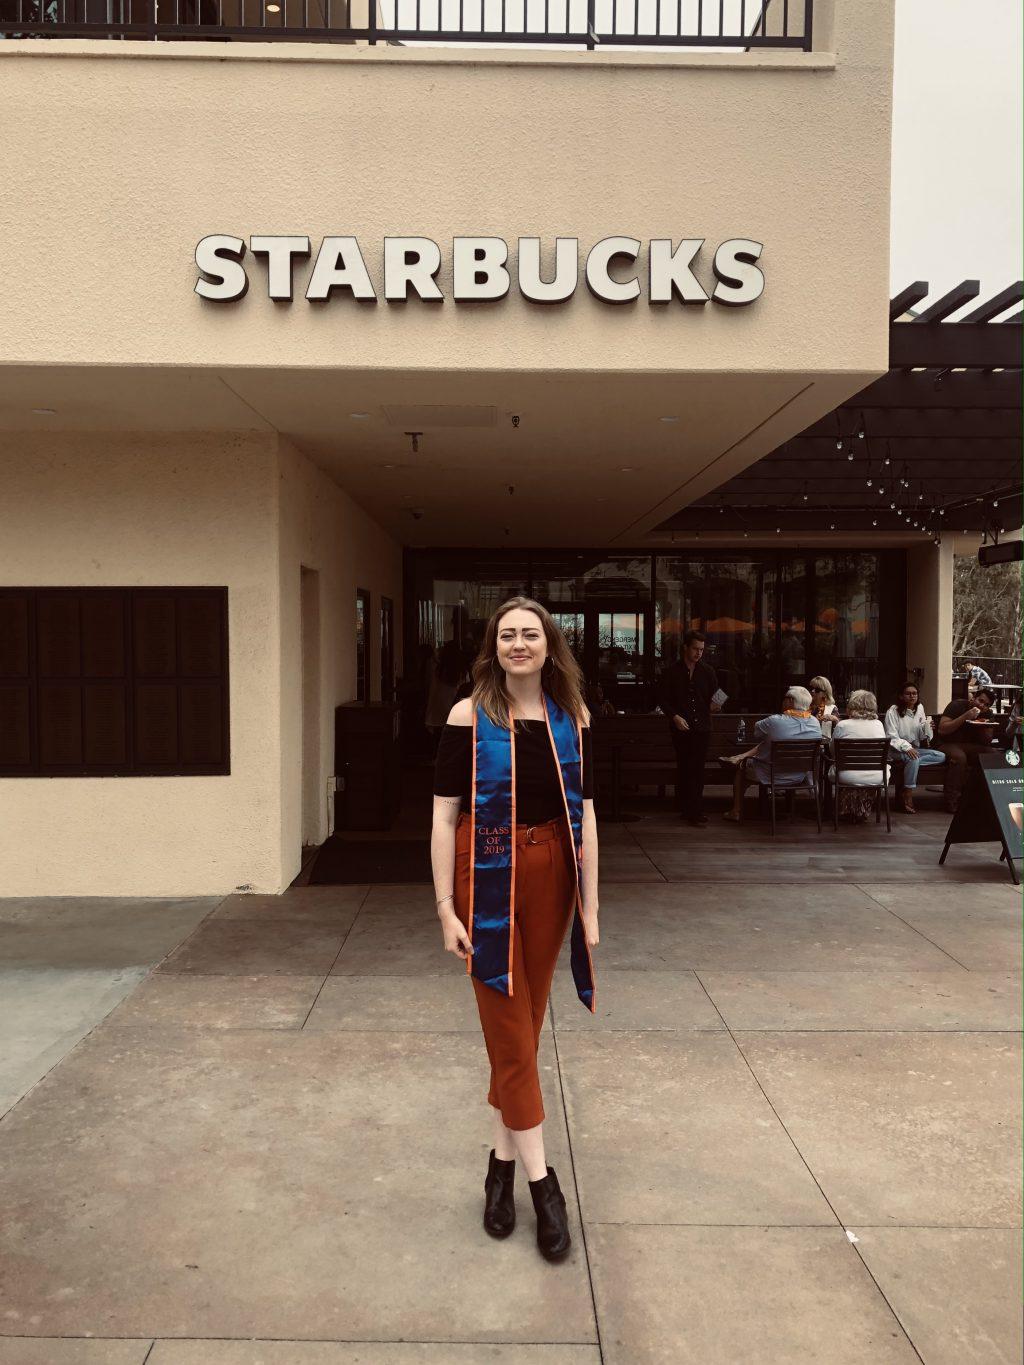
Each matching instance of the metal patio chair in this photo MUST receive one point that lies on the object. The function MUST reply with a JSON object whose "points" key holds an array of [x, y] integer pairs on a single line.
{"points": [[862, 755], [789, 756]]}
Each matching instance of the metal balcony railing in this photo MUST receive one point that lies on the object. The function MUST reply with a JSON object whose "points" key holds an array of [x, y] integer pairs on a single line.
{"points": [[731, 24]]}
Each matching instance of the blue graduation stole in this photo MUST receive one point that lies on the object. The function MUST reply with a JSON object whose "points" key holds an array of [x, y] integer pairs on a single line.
{"points": [[493, 847]]}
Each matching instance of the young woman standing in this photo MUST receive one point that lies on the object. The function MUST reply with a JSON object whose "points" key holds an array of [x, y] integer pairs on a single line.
{"points": [[514, 852]]}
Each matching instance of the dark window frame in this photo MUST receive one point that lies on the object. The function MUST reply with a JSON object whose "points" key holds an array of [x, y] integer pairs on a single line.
{"points": [[131, 678], [364, 597]]}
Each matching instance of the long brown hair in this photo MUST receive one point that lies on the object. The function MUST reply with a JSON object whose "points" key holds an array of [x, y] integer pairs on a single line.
{"points": [[561, 677]]}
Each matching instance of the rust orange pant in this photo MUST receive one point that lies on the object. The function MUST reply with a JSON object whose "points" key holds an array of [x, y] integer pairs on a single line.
{"points": [[545, 890]]}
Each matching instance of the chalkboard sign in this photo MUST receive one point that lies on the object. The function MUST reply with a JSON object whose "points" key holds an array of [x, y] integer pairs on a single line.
{"points": [[985, 815]]}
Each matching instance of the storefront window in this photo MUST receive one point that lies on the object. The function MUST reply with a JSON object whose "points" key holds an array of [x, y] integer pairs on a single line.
{"points": [[771, 618], [580, 578], [458, 594], [731, 601], [846, 621], [793, 592]]}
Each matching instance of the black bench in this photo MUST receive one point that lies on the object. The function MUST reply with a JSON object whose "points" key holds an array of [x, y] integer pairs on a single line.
{"points": [[638, 749]]}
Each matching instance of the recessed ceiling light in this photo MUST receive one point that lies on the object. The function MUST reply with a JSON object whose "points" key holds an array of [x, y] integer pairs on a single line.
{"points": [[273, 9], [359, 416], [45, 412], [626, 469], [668, 419], [388, 466]]}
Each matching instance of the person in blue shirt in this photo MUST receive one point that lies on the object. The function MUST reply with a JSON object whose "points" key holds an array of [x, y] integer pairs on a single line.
{"points": [[976, 677], [794, 721]]}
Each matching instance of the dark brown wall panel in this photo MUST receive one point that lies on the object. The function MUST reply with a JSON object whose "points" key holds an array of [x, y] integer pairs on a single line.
{"points": [[105, 708], [156, 654], [15, 727], [60, 724], [156, 724], [113, 681], [103, 635], [200, 636], [14, 635], [202, 739], [59, 635]]}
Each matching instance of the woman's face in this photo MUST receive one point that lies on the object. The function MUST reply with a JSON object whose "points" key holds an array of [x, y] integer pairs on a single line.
{"points": [[817, 697], [521, 645], [909, 698]]}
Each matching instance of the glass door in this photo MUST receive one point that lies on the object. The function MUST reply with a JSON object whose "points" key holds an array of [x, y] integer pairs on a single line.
{"points": [[616, 635]]}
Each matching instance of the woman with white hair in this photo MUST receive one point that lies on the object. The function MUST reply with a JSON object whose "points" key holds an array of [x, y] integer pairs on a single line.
{"points": [[794, 721], [861, 723]]}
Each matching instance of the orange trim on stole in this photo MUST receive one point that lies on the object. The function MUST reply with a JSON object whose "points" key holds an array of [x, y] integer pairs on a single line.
{"points": [[576, 871], [512, 832]]}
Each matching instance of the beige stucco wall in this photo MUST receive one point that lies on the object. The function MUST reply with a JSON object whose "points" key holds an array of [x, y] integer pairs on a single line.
{"points": [[118, 157], [106, 510], [187, 509], [930, 619], [323, 529]]}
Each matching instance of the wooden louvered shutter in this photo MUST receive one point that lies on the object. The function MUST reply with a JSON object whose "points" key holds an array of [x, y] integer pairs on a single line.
{"points": [[16, 755], [113, 681]]}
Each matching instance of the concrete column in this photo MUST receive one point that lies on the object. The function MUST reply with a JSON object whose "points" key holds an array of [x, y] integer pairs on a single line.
{"points": [[930, 619]]}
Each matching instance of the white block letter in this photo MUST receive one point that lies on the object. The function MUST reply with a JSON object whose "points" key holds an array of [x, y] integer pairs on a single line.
{"points": [[411, 261], [600, 282], [740, 280], [221, 257], [339, 265], [279, 252], [567, 270], [670, 270], [478, 265]]}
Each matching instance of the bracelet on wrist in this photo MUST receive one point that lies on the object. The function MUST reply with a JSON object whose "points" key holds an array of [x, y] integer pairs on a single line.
{"points": [[443, 899]]}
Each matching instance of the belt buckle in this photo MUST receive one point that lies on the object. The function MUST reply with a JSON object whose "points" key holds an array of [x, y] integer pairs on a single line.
{"points": [[529, 834]]}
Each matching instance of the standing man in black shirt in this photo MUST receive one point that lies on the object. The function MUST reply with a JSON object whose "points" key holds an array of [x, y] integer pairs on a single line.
{"points": [[685, 692]]}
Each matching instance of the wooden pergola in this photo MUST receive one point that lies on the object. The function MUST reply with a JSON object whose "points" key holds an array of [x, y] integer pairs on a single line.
{"points": [[932, 446]]}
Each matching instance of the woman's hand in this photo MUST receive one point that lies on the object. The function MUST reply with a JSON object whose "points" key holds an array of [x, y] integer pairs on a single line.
{"points": [[456, 939], [590, 927]]}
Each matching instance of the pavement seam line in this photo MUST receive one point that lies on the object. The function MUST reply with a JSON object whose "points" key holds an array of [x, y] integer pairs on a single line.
{"points": [[575, 1181]]}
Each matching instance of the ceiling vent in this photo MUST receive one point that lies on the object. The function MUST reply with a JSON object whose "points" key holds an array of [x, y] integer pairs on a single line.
{"points": [[439, 415]]}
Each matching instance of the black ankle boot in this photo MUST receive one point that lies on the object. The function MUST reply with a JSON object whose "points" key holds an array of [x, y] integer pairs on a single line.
{"points": [[553, 1238], [499, 1196]]}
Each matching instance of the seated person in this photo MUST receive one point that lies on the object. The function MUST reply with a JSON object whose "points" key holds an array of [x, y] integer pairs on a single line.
{"points": [[976, 676], [794, 721], [597, 703], [959, 743], [1014, 727], [823, 703], [909, 728], [861, 723]]}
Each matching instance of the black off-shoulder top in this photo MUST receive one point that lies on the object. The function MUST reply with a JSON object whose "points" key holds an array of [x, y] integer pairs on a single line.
{"points": [[538, 792]]}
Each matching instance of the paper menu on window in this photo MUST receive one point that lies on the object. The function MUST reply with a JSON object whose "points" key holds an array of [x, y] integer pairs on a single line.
{"points": [[720, 698]]}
